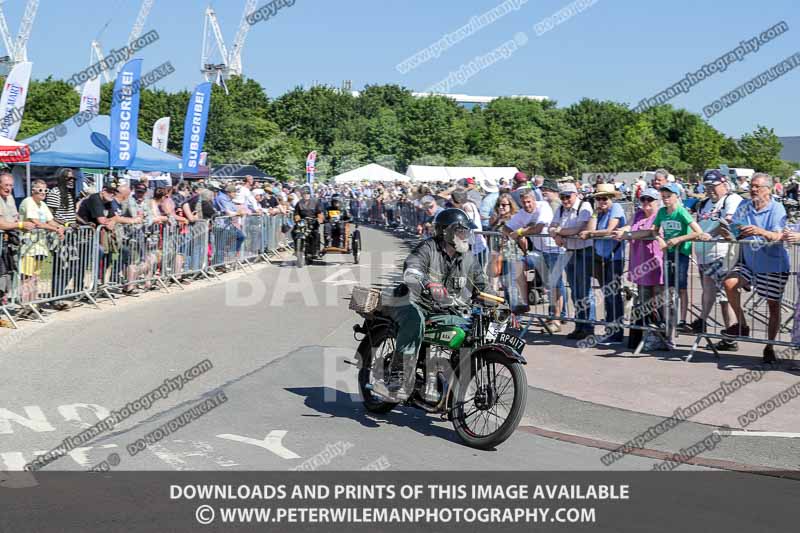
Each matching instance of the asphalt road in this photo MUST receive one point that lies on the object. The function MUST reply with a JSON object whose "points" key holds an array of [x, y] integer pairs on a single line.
{"points": [[277, 338]]}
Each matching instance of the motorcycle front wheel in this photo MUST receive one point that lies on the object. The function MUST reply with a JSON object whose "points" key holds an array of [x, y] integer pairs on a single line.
{"points": [[300, 253], [356, 245], [490, 401]]}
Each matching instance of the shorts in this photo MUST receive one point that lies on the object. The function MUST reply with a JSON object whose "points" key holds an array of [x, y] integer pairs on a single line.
{"points": [[682, 271], [769, 285], [714, 270], [31, 265]]}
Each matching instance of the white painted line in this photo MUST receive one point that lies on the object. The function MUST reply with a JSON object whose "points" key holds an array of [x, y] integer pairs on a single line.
{"points": [[765, 434], [271, 442]]}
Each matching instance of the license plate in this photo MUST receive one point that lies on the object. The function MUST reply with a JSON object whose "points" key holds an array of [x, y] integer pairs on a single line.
{"points": [[510, 338]]}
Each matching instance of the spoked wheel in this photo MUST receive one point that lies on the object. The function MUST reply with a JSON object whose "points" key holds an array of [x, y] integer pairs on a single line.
{"points": [[489, 403], [383, 345], [356, 246]]}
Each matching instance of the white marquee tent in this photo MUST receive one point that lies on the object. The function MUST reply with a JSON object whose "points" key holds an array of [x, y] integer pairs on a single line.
{"points": [[426, 173], [371, 172]]}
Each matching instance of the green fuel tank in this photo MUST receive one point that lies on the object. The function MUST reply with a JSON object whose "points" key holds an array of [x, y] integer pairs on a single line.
{"points": [[447, 336]]}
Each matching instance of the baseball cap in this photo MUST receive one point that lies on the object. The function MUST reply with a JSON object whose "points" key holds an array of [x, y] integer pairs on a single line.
{"points": [[712, 177], [110, 187], [520, 177], [230, 188], [650, 193], [567, 188], [671, 187], [256, 192]]}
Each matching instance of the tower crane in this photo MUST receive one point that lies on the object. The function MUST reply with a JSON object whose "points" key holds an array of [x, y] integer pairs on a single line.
{"points": [[231, 59], [17, 49], [96, 54]]}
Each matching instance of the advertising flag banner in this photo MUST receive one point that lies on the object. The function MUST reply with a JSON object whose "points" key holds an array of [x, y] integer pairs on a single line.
{"points": [[125, 115], [90, 97], [311, 167], [194, 127], [12, 103], [161, 133]]}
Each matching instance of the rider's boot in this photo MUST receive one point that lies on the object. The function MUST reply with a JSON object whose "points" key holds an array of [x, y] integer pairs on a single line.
{"points": [[393, 387]]}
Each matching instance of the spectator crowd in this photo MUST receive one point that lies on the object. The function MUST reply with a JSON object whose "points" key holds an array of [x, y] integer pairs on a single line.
{"points": [[571, 239]]}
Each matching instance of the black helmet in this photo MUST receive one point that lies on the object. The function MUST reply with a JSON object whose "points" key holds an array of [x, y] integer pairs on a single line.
{"points": [[446, 226]]}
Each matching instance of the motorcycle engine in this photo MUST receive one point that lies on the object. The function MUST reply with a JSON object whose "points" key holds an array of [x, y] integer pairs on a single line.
{"points": [[437, 362]]}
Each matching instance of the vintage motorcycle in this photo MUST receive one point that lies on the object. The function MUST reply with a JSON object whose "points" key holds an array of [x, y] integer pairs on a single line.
{"points": [[306, 242], [469, 369]]}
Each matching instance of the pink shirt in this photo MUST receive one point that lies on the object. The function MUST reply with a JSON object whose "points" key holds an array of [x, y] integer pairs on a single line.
{"points": [[647, 259]]}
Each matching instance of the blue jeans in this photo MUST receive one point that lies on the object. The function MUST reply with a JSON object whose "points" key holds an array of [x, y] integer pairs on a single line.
{"points": [[609, 273], [579, 272], [551, 269]]}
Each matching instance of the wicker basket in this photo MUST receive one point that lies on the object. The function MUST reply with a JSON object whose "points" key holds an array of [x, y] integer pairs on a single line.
{"points": [[365, 299]]}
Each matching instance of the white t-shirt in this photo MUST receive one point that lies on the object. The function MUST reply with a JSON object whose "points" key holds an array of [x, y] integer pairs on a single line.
{"points": [[474, 215], [573, 218], [708, 218], [542, 215]]}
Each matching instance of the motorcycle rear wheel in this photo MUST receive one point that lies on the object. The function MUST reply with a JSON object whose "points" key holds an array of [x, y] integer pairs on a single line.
{"points": [[485, 414], [383, 344]]}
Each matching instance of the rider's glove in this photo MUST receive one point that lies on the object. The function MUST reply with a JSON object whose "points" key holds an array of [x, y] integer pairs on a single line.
{"points": [[438, 291]]}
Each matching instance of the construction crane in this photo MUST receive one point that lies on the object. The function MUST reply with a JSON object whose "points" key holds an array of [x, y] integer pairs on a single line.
{"points": [[231, 60], [17, 50], [138, 26], [96, 54]]}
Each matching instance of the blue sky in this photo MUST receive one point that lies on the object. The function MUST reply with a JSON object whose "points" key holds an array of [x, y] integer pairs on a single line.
{"points": [[622, 50]]}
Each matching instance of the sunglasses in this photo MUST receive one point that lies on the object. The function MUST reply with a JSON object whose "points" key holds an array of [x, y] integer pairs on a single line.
{"points": [[562, 196], [646, 200], [505, 205]]}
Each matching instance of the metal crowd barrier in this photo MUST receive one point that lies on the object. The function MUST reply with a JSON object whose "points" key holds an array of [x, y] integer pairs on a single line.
{"points": [[189, 251], [87, 262], [552, 285], [589, 289], [707, 302], [130, 255], [226, 241], [253, 246], [50, 268]]}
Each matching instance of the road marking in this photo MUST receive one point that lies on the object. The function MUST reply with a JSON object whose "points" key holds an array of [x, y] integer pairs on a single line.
{"points": [[70, 413], [35, 420], [16, 460], [172, 459], [333, 279], [272, 442], [765, 434]]}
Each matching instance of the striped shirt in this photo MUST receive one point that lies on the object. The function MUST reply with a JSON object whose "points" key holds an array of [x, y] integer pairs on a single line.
{"points": [[61, 214]]}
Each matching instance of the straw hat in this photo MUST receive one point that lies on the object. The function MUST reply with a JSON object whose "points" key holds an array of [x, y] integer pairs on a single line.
{"points": [[606, 189]]}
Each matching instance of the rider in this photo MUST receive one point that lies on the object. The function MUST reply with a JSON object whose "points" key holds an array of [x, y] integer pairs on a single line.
{"points": [[307, 207], [335, 216], [441, 276]]}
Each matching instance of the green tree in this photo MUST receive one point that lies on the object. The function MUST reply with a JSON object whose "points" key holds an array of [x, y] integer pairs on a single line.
{"points": [[703, 147], [636, 147], [761, 149]]}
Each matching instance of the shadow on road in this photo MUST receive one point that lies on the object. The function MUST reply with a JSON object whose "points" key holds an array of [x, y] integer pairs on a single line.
{"points": [[321, 399]]}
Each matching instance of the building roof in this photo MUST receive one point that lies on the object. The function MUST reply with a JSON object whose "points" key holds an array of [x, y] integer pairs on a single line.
{"points": [[791, 148]]}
